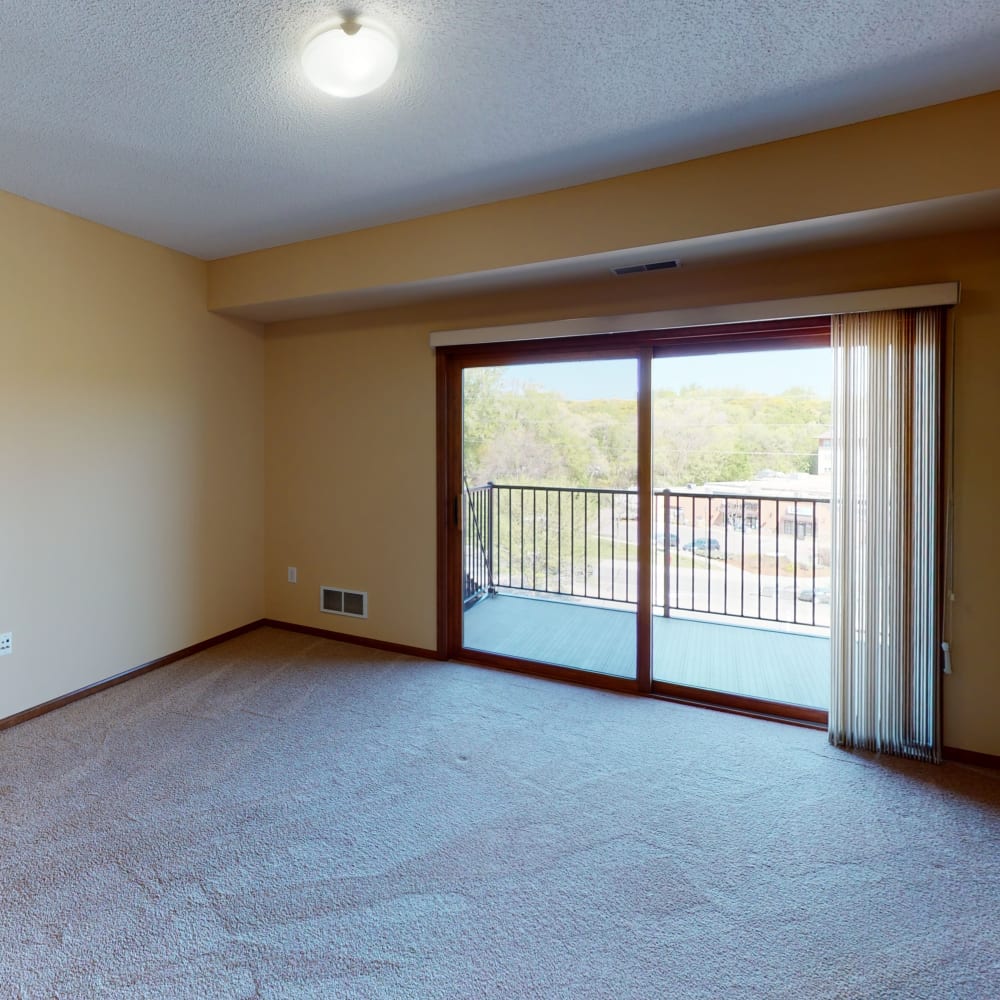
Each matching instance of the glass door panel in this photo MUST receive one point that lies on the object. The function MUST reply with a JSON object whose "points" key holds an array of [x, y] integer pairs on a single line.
{"points": [[741, 524], [550, 513]]}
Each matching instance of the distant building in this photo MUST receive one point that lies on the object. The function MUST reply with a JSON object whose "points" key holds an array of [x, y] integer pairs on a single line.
{"points": [[792, 508], [767, 506], [824, 460]]}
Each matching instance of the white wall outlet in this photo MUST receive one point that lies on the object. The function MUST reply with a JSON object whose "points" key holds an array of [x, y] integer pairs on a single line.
{"points": [[6, 643], [293, 575]]}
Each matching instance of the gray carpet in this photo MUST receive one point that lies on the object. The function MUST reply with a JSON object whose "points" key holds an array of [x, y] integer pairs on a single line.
{"points": [[290, 817]]}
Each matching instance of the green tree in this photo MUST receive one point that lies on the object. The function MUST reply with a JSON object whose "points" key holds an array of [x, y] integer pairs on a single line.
{"points": [[521, 433]]}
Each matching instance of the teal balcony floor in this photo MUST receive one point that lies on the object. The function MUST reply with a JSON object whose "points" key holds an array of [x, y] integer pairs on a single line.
{"points": [[731, 655]]}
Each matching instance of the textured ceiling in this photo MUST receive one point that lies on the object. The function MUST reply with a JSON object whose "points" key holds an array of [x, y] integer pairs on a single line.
{"points": [[188, 122]]}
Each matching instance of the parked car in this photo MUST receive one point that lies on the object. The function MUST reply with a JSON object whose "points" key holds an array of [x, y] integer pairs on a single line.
{"points": [[819, 595], [705, 546], [671, 540]]}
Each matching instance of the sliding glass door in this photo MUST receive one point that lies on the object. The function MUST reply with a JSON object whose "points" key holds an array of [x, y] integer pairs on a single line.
{"points": [[614, 515], [741, 568], [549, 514]]}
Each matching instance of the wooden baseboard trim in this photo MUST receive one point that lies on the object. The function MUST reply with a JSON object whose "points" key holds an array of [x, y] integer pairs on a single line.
{"points": [[960, 756], [956, 754], [356, 640], [126, 675]]}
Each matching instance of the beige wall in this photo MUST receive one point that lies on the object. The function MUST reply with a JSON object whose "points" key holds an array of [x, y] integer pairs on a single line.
{"points": [[350, 478], [885, 162], [130, 455], [350, 416]]}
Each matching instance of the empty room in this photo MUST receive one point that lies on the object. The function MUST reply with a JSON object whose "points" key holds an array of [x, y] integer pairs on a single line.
{"points": [[499, 502]]}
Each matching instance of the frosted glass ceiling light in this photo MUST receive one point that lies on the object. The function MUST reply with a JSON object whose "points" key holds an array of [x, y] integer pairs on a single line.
{"points": [[350, 59]]}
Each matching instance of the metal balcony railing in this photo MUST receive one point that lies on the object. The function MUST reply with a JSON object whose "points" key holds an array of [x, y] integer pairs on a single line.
{"points": [[754, 557]]}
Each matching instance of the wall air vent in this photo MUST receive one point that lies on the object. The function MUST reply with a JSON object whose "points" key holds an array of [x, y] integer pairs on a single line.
{"points": [[336, 601], [657, 265]]}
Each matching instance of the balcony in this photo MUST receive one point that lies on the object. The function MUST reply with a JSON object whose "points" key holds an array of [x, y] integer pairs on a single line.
{"points": [[741, 585]]}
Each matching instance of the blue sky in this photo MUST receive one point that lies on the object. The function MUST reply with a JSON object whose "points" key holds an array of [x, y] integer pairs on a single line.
{"points": [[764, 371]]}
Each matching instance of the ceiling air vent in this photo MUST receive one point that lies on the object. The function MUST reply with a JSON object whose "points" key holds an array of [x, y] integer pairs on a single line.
{"points": [[335, 601], [657, 265]]}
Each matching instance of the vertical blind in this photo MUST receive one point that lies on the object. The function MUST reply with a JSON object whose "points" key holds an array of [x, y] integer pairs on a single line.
{"points": [[884, 636]]}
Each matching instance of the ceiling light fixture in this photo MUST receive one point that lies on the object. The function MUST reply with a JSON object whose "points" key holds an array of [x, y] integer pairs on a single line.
{"points": [[350, 59]]}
